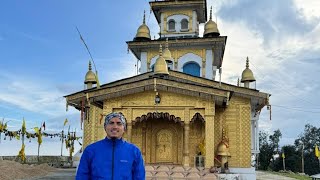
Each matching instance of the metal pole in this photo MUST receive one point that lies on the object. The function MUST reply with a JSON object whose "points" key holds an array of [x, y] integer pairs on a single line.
{"points": [[284, 164], [302, 159], [62, 141]]}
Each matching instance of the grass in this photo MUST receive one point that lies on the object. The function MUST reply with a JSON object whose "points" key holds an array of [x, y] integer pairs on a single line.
{"points": [[293, 175]]}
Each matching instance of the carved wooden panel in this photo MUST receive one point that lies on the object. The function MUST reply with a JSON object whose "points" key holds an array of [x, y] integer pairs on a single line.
{"points": [[164, 144]]}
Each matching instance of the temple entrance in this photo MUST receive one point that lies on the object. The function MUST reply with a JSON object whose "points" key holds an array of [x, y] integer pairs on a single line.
{"points": [[160, 137], [164, 146]]}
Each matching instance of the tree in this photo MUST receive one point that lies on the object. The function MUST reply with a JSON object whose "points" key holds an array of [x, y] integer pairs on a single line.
{"points": [[308, 140], [274, 143], [291, 159], [268, 146]]}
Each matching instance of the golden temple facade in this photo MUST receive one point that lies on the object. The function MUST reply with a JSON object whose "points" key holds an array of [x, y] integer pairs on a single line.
{"points": [[175, 108]]}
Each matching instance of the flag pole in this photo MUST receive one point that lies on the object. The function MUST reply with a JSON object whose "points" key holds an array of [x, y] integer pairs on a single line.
{"points": [[283, 161], [62, 137], [94, 64]]}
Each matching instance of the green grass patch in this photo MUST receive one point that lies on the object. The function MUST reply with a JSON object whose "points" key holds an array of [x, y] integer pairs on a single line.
{"points": [[292, 175]]}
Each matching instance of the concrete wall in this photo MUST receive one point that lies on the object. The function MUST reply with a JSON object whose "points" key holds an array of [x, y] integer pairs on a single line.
{"points": [[56, 161]]}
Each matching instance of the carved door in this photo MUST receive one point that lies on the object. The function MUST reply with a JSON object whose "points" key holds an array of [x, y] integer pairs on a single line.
{"points": [[164, 146]]}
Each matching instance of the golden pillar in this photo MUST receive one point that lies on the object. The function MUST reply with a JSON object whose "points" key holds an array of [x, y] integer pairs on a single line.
{"points": [[144, 139], [186, 159], [209, 139], [129, 132]]}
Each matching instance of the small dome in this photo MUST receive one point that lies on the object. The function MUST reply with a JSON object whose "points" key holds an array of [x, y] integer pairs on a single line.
{"points": [[247, 75], [161, 67], [166, 53], [90, 76], [143, 32], [223, 149], [211, 28]]}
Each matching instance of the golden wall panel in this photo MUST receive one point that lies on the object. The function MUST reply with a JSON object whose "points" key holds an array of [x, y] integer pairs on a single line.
{"points": [[245, 123], [182, 52], [236, 119], [178, 12]]}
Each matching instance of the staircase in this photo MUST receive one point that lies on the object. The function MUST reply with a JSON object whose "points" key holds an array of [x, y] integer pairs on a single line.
{"points": [[174, 172]]}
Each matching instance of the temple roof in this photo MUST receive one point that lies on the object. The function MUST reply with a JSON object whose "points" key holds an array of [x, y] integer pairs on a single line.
{"points": [[200, 6], [176, 82]]}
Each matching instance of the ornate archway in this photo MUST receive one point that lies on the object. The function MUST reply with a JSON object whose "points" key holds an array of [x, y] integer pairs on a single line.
{"points": [[160, 137], [157, 115]]}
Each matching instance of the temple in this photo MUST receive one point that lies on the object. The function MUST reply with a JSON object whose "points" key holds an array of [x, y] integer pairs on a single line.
{"points": [[177, 109]]}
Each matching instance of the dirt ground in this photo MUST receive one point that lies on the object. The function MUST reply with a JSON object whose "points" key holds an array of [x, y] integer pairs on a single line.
{"points": [[13, 170]]}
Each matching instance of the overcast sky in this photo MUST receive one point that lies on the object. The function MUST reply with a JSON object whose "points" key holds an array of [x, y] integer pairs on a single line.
{"points": [[42, 58]]}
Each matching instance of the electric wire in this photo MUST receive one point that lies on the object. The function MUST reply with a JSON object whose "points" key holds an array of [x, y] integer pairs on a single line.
{"points": [[274, 83]]}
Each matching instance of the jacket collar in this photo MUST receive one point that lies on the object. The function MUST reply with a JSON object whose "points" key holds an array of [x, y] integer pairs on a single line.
{"points": [[117, 141]]}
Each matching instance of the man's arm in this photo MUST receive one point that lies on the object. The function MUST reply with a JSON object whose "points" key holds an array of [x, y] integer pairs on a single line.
{"points": [[138, 171], [83, 171]]}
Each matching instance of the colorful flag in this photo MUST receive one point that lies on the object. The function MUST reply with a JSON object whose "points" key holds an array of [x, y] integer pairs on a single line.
{"points": [[283, 156], [65, 122], [23, 129], [36, 129], [316, 151]]}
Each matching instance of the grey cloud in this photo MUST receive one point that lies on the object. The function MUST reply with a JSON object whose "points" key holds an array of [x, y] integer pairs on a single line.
{"points": [[270, 19]]}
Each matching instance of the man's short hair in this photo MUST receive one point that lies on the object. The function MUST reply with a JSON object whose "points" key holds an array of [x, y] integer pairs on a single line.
{"points": [[118, 115]]}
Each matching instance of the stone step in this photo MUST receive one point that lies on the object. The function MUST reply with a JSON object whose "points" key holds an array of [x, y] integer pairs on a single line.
{"points": [[171, 172]]}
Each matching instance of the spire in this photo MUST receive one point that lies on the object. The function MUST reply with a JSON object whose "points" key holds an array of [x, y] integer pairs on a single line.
{"points": [[90, 68], [90, 77], [143, 32], [247, 75], [160, 50], [161, 67], [167, 44], [211, 28], [167, 54], [238, 84]]}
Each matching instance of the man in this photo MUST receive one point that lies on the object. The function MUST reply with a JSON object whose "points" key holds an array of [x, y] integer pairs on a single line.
{"points": [[112, 158]]}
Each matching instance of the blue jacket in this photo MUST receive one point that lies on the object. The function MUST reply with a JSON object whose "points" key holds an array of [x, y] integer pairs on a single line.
{"points": [[108, 158]]}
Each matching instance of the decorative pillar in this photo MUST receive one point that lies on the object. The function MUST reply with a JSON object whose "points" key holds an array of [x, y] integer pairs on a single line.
{"points": [[144, 138], [209, 131], [209, 139], [129, 132], [186, 159]]}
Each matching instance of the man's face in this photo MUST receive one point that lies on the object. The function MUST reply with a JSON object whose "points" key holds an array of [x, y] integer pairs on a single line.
{"points": [[114, 128]]}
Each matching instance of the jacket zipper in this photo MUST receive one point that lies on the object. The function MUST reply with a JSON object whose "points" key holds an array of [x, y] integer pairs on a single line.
{"points": [[113, 145]]}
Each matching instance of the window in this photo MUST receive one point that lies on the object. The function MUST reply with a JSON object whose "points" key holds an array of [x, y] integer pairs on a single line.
{"points": [[172, 25], [192, 68], [184, 25]]}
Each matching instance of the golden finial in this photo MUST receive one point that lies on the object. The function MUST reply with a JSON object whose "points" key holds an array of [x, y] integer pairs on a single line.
{"points": [[211, 28], [223, 134], [167, 43], [143, 32], [144, 17], [247, 75], [161, 67], [160, 51], [90, 68]]}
